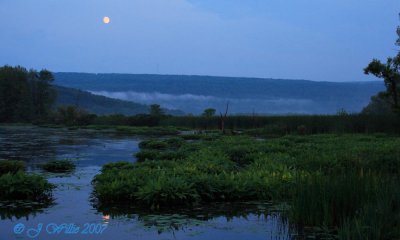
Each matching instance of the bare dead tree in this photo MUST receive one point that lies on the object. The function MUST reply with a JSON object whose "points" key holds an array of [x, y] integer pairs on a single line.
{"points": [[223, 118]]}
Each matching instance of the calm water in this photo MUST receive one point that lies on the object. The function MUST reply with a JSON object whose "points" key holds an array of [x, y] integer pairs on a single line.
{"points": [[73, 205]]}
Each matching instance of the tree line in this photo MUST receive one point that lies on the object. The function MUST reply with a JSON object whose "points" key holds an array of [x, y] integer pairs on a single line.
{"points": [[29, 96], [25, 95]]}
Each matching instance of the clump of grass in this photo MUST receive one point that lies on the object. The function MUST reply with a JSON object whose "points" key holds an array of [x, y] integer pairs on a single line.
{"points": [[11, 166], [21, 186], [59, 166]]}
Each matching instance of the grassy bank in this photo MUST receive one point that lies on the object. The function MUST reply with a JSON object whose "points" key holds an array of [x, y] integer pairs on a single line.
{"points": [[330, 181]]}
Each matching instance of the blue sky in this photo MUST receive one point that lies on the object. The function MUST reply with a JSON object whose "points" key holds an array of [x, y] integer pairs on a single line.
{"points": [[322, 40]]}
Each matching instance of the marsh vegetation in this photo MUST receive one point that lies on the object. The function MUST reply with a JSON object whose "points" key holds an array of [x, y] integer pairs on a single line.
{"points": [[338, 185], [90, 150], [16, 184]]}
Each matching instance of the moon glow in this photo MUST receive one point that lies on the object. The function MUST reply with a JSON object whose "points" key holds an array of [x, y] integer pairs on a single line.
{"points": [[106, 20]]}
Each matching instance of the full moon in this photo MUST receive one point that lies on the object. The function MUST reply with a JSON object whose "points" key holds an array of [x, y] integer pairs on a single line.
{"points": [[106, 20]]}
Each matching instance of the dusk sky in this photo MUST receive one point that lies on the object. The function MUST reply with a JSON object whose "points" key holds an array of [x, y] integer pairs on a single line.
{"points": [[321, 40]]}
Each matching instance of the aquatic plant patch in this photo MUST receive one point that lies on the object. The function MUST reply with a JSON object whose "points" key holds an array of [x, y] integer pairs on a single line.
{"points": [[22, 186], [11, 166], [59, 166]]}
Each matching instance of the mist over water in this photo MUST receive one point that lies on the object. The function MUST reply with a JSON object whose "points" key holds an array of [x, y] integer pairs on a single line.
{"points": [[193, 94], [195, 104]]}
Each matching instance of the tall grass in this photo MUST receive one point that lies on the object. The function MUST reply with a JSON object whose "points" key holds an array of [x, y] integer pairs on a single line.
{"points": [[330, 200], [378, 218], [349, 206]]}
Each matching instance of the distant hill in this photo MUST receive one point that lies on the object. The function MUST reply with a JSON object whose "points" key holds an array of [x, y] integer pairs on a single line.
{"points": [[194, 93], [101, 105]]}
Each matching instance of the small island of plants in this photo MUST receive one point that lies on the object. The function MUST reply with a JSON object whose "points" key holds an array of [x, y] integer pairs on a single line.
{"points": [[16, 184], [59, 166]]}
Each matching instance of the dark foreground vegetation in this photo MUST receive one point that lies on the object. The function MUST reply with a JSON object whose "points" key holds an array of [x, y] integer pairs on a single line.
{"points": [[339, 185], [15, 184]]}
